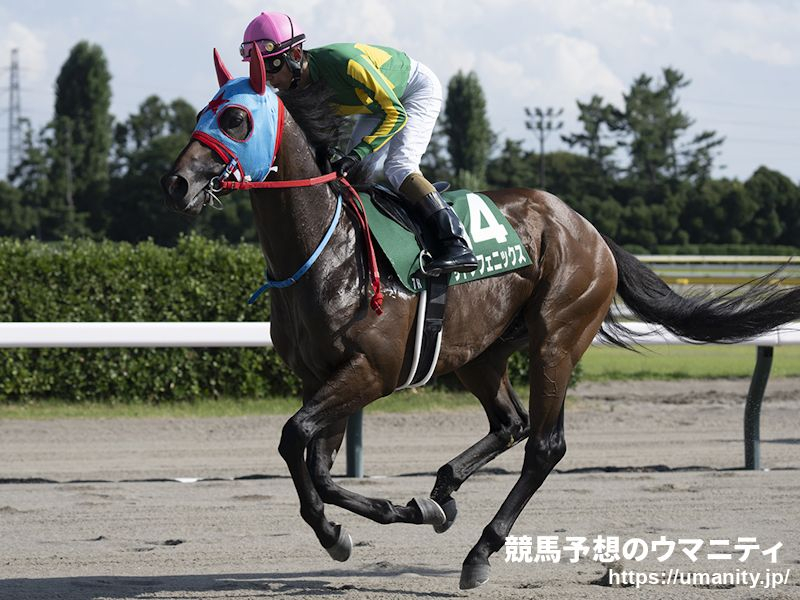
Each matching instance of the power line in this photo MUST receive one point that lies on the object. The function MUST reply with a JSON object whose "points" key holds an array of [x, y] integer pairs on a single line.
{"points": [[762, 141], [761, 125], [742, 104]]}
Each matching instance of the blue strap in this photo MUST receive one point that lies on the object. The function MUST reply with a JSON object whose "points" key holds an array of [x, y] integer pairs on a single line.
{"points": [[302, 270]]}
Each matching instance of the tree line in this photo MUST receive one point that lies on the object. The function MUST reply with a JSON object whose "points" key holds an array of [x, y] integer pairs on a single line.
{"points": [[636, 171]]}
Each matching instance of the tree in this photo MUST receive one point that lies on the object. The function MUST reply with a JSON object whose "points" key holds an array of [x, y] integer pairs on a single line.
{"points": [[467, 126], [600, 137], [513, 167], [777, 219], [645, 159], [16, 218], [718, 212], [82, 132], [654, 126], [574, 177], [64, 173], [42, 190], [145, 146], [182, 117], [435, 164]]}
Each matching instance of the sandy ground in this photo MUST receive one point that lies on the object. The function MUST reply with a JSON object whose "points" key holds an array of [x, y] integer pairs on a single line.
{"points": [[644, 460]]}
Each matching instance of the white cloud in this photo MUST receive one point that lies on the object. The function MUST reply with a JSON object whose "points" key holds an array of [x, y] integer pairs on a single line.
{"points": [[372, 22], [579, 69], [739, 54], [31, 48], [323, 21], [613, 22], [551, 70], [762, 32], [756, 48]]}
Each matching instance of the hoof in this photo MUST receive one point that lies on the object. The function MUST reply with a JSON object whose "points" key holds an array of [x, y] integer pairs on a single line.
{"points": [[343, 547], [473, 576], [432, 513], [450, 512]]}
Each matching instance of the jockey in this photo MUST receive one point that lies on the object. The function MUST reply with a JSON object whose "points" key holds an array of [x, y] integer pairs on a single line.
{"points": [[397, 101]]}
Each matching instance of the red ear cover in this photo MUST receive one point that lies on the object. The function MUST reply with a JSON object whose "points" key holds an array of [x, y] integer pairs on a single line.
{"points": [[258, 77], [223, 75]]}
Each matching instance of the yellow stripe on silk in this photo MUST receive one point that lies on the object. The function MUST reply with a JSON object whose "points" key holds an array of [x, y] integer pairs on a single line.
{"points": [[376, 55], [381, 88]]}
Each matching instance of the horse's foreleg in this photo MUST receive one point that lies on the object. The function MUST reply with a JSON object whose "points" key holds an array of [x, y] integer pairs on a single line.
{"points": [[321, 454], [351, 388], [487, 379], [324, 449]]}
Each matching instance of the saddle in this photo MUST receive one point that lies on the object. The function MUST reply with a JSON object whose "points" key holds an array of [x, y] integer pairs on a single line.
{"points": [[393, 205], [497, 247]]}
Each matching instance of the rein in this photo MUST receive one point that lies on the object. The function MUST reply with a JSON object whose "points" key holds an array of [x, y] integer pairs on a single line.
{"points": [[291, 183], [376, 302]]}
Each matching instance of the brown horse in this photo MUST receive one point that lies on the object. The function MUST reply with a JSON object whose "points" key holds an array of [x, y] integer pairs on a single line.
{"points": [[347, 356]]}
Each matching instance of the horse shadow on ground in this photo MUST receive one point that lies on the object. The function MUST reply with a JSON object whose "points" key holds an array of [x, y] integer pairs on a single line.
{"points": [[325, 583]]}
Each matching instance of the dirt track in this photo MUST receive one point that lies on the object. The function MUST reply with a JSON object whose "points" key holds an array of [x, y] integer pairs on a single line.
{"points": [[101, 530]]}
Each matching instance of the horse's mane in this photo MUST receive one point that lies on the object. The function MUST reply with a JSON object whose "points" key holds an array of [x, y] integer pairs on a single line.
{"points": [[312, 110], [325, 129]]}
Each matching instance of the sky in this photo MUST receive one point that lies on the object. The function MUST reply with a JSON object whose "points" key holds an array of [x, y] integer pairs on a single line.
{"points": [[741, 56]]}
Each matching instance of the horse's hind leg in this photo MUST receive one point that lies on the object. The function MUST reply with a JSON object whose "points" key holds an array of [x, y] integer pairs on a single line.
{"points": [[487, 378], [545, 447], [560, 332]]}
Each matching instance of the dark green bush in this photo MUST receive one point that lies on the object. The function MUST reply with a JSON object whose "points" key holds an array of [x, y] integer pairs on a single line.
{"points": [[724, 249], [199, 280]]}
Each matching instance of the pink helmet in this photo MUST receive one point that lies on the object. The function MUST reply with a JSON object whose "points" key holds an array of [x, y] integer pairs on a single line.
{"points": [[273, 33]]}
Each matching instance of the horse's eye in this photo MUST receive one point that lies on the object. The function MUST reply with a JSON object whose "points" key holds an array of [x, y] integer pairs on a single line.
{"points": [[236, 123]]}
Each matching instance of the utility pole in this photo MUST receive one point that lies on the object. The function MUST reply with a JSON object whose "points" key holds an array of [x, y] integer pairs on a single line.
{"points": [[543, 123], [14, 115]]}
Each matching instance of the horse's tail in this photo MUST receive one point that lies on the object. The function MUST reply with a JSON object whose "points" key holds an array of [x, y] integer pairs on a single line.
{"points": [[742, 313]]}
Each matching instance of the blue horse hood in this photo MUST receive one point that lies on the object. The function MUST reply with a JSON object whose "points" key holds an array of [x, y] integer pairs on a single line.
{"points": [[255, 154]]}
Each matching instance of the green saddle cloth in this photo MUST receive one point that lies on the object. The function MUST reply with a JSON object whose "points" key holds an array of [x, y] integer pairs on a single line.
{"points": [[495, 243]]}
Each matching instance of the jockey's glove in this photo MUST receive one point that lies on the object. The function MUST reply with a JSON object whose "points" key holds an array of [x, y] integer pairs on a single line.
{"points": [[345, 164]]}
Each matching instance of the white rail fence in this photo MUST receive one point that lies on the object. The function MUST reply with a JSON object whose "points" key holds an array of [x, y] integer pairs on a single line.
{"points": [[135, 335], [141, 334], [257, 334]]}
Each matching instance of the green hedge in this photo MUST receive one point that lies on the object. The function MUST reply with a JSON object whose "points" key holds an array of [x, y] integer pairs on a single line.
{"points": [[726, 250], [199, 280]]}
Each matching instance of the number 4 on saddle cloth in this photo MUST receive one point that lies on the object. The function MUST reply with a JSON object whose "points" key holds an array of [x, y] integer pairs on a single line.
{"points": [[496, 245]]}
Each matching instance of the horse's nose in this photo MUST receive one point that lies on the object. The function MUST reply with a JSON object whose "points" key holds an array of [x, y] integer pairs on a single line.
{"points": [[175, 186]]}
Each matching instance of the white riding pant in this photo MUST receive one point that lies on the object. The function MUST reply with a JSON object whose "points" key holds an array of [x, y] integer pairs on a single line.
{"points": [[422, 101]]}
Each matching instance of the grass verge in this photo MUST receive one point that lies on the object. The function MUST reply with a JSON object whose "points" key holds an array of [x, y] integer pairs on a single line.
{"points": [[599, 364], [681, 362], [406, 401]]}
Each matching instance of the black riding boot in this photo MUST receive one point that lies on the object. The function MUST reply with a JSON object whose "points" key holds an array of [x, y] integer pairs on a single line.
{"points": [[451, 252]]}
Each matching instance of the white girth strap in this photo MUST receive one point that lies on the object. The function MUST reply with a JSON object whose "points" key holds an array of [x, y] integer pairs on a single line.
{"points": [[420, 330]]}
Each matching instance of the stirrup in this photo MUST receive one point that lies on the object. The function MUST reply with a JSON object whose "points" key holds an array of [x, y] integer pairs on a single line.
{"points": [[423, 256], [466, 266]]}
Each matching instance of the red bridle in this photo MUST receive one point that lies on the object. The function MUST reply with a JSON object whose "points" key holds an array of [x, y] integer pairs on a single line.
{"points": [[222, 182]]}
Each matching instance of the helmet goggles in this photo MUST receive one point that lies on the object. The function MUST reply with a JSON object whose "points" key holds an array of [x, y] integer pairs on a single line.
{"points": [[268, 48]]}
